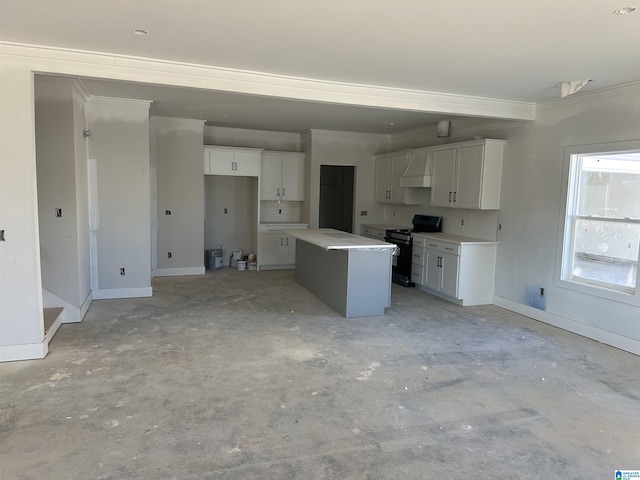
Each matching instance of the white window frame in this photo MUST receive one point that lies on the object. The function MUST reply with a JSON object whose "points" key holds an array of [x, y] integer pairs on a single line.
{"points": [[566, 232]]}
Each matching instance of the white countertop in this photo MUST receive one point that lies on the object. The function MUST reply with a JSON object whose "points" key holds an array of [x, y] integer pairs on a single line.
{"points": [[331, 239], [459, 239]]}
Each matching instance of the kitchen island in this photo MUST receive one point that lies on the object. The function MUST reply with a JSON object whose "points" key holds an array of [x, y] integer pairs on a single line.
{"points": [[350, 273]]}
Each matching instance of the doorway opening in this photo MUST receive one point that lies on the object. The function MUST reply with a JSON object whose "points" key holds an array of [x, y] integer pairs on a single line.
{"points": [[336, 197]]}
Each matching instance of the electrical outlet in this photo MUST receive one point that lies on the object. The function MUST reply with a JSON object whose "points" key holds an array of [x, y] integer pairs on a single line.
{"points": [[122, 271], [58, 212], [167, 212], [169, 255], [2, 236], [225, 210]]}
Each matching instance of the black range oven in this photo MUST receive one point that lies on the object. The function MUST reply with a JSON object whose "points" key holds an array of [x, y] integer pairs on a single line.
{"points": [[403, 239]]}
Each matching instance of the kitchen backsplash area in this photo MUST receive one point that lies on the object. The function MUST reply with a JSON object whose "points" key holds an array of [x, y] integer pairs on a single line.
{"points": [[285, 212], [481, 224]]}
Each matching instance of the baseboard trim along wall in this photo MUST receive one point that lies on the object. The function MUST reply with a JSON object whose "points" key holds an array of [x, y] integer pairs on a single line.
{"points": [[174, 272], [29, 351], [612, 339], [111, 293]]}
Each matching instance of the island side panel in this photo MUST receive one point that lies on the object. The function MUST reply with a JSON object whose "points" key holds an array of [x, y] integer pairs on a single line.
{"points": [[369, 282], [323, 273]]}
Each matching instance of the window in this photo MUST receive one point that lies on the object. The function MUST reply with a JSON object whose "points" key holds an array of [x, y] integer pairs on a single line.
{"points": [[601, 244]]}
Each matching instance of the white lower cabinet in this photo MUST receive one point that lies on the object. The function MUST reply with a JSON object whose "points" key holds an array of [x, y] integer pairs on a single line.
{"points": [[276, 249], [460, 269]]}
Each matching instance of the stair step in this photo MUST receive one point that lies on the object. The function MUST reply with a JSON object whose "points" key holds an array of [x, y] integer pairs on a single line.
{"points": [[51, 314]]}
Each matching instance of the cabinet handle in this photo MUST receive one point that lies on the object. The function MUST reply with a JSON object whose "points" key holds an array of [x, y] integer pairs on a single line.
{"points": [[283, 191], [455, 197], [440, 261], [287, 241], [448, 248], [432, 245], [281, 241], [278, 194], [450, 197]]}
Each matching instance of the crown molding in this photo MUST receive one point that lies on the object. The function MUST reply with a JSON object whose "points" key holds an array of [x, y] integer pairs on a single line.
{"points": [[160, 121], [119, 102], [138, 69]]}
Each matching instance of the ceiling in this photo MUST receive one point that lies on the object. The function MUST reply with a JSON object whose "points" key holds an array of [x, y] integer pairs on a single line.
{"points": [[511, 50]]}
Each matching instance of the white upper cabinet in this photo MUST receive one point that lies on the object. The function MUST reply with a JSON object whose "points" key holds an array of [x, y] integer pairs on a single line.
{"points": [[282, 176], [231, 161], [467, 175], [389, 170]]}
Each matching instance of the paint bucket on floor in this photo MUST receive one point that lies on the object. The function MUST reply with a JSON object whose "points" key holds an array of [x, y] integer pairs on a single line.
{"points": [[242, 264], [252, 266]]}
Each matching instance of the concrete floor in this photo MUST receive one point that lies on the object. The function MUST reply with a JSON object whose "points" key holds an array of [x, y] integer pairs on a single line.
{"points": [[246, 375]]}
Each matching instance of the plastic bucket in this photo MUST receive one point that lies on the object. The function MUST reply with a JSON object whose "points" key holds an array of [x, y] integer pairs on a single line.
{"points": [[242, 264]]}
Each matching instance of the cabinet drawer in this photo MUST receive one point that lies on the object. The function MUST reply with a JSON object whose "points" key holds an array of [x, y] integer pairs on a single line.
{"points": [[378, 234], [419, 242], [417, 256], [444, 247], [417, 274]]}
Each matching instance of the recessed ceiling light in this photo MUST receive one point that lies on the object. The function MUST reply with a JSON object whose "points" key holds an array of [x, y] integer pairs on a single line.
{"points": [[624, 11], [140, 31]]}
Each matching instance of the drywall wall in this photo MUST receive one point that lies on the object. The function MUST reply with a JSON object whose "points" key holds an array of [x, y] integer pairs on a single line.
{"points": [[231, 214], [120, 146], [180, 195], [56, 174], [21, 322], [237, 137], [341, 148]]}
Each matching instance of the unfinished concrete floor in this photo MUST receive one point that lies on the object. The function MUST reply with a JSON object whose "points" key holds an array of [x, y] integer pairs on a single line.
{"points": [[246, 375]]}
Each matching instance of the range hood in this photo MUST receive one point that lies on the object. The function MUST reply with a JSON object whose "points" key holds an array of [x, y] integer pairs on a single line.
{"points": [[418, 172]]}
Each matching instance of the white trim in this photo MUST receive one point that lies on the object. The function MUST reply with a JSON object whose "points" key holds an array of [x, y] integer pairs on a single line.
{"points": [[163, 72], [53, 329], [173, 272], [111, 293], [84, 308], [28, 351], [570, 325], [587, 97]]}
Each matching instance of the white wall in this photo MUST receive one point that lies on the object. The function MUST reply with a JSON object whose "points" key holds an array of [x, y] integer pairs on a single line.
{"points": [[237, 228], [180, 189], [120, 146], [238, 137], [21, 323], [62, 183], [341, 148]]}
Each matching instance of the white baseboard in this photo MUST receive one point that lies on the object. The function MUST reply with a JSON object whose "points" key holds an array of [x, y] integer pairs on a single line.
{"points": [[29, 351], [174, 272], [71, 313], [111, 293], [573, 326]]}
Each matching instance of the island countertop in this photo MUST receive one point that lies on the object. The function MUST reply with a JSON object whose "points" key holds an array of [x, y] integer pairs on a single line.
{"points": [[330, 239]]}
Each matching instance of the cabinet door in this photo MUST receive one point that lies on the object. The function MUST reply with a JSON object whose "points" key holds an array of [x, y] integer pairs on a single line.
{"points": [[468, 184], [289, 250], [221, 162], [433, 275], [246, 163], [270, 176], [449, 272], [444, 162], [271, 251], [383, 169], [398, 166], [293, 178]]}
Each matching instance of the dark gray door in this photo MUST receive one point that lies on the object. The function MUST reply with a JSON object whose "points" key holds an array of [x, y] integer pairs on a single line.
{"points": [[336, 197]]}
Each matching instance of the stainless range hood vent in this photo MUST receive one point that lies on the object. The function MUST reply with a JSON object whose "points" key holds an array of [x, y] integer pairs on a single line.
{"points": [[418, 172]]}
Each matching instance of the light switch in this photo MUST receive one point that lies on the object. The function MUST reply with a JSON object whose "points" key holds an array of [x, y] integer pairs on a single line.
{"points": [[58, 213]]}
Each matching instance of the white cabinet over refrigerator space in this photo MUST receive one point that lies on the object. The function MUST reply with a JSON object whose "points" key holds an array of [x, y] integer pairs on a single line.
{"points": [[231, 161], [467, 174], [282, 176]]}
